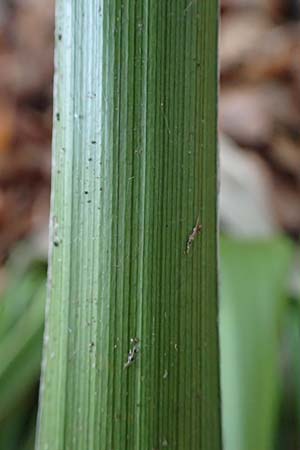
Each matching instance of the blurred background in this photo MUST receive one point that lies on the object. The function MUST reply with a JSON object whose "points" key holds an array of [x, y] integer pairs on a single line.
{"points": [[259, 126]]}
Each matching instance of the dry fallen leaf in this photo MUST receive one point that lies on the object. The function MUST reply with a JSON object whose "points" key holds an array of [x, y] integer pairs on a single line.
{"points": [[245, 195]]}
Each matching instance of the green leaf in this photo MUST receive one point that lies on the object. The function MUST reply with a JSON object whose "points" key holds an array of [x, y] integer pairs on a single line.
{"points": [[21, 288], [21, 338], [289, 423], [254, 282], [21, 327]]}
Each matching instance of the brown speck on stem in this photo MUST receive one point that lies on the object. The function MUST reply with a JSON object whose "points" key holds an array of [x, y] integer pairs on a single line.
{"points": [[196, 230], [132, 354]]}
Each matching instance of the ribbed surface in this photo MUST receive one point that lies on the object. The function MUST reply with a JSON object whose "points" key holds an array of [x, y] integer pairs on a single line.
{"points": [[134, 166]]}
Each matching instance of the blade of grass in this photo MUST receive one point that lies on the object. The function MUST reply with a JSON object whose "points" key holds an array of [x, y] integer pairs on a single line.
{"points": [[20, 347], [21, 325], [18, 295], [254, 281]]}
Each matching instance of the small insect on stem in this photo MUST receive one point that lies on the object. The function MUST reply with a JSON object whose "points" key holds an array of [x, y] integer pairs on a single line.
{"points": [[132, 354], [196, 230]]}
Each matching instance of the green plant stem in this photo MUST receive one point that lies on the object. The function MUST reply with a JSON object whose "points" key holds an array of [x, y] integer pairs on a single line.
{"points": [[134, 168]]}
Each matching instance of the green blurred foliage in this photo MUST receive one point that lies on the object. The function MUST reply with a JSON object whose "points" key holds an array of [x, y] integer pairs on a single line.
{"points": [[21, 329], [254, 279]]}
